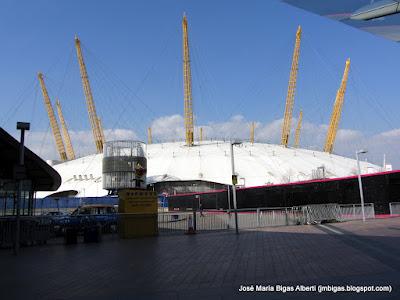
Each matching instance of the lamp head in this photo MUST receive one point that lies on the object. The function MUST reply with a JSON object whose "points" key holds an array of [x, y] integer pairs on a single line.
{"points": [[23, 126], [236, 142]]}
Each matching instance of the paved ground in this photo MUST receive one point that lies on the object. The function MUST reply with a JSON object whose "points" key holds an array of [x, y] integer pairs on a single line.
{"points": [[211, 265]]}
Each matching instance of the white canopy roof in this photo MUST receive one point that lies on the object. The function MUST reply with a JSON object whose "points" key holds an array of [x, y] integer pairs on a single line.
{"points": [[255, 164]]}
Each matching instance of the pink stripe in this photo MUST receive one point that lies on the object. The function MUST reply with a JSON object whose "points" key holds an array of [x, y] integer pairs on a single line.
{"points": [[323, 180], [386, 216]]}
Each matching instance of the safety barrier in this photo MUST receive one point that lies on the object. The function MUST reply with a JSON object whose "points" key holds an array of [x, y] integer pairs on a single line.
{"points": [[173, 221], [394, 208], [169, 222], [34, 230], [354, 211], [223, 220], [315, 213], [214, 220], [262, 217]]}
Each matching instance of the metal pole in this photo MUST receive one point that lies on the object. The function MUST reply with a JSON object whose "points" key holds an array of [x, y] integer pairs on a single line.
{"points": [[5, 205], [384, 163], [361, 188], [18, 217], [229, 205], [194, 220], [229, 198], [234, 190]]}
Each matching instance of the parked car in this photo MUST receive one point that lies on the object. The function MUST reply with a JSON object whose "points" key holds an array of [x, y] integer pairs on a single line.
{"points": [[58, 219], [99, 214], [56, 214]]}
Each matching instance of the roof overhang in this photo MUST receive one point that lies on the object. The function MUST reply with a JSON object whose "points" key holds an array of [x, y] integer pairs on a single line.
{"points": [[41, 175]]}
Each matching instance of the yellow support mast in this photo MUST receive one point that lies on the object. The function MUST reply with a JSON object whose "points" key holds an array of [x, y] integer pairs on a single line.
{"points": [[53, 122], [298, 129], [94, 121], [101, 130], [201, 134], [252, 132], [337, 111], [149, 136], [64, 130], [287, 120], [187, 81]]}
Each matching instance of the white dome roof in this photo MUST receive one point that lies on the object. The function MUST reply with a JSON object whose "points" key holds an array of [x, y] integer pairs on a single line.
{"points": [[255, 164]]}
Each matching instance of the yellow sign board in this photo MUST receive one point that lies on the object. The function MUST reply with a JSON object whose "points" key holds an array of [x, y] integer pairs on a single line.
{"points": [[137, 201], [234, 179]]}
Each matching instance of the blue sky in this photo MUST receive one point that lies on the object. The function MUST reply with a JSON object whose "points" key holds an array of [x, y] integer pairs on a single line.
{"points": [[241, 55]]}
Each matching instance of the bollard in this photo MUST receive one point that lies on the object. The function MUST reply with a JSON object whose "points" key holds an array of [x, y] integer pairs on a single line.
{"points": [[71, 235], [190, 226], [194, 220], [286, 217]]}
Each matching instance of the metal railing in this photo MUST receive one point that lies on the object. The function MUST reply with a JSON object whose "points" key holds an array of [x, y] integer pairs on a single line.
{"points": [[173, 221], [223, 220], [354, 211], [34, 230], [256, 217], [315, 213], [394, 208], [214, 220], [263, 217]]}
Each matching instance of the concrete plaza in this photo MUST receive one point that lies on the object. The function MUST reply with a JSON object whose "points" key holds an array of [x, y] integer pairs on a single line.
{"points": [[212, 265]]}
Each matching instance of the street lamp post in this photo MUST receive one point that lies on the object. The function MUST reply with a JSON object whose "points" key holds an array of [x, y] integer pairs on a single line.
{"points": [[234, 181], [19, 175], [360, 182], [229, 198]]}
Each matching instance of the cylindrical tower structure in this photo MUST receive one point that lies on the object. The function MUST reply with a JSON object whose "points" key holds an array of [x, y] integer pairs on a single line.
{"points": [[124, 165]]}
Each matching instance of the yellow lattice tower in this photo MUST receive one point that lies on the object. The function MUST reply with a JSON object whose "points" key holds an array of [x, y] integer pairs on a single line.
{"points": [[252, 132], [53, 122], [101, 130], [64, 130], [287, 120], [298, 129], [337, 111], [94, 121], [187, 82], [149, 136], [201, 134]]}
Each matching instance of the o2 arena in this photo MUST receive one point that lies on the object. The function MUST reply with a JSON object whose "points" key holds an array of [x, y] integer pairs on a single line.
{"points": [[267, 175], [174, 168]]}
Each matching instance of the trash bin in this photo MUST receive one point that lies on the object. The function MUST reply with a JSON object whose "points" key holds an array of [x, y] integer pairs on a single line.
{"points": [[71, 235], [92, 234]]}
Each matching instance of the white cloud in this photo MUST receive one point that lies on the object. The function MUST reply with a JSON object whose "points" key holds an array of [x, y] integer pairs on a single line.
{"points": [[171, 128], [395, 133], [168, 128], [43, 144], [120, 134]]}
